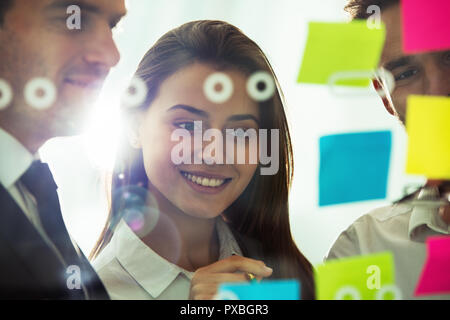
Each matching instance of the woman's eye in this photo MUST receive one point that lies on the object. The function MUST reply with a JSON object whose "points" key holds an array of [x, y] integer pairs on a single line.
{"points": [[240, 132], [405, 75], [188, 125]]}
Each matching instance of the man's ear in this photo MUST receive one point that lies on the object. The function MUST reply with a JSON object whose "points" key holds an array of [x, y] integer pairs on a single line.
{"points": [[382, 93]]}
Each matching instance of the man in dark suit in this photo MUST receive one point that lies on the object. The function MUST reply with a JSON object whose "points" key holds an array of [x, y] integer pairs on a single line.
{"points": [[54, 56]]}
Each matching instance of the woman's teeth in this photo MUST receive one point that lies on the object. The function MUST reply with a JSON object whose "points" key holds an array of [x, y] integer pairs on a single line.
{"points": [[206, 182]]}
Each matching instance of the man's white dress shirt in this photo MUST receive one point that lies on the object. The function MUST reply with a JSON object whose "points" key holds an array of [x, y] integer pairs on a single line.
{"points": [[401, 228], [15, 160]]}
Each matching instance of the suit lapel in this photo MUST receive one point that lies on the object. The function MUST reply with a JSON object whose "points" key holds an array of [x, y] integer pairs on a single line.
{"points": [[46, 272]]}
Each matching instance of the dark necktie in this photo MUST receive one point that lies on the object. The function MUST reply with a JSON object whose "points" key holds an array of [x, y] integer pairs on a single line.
{"points": [[39, 182]]}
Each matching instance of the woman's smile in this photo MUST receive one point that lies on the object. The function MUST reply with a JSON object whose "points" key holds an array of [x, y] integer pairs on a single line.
{"points": [[205, 182]]}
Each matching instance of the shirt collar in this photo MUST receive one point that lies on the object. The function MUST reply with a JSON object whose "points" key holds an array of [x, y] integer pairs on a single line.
{"points": [[227, 243], [14, 161], [423, 218], [150, 270]]}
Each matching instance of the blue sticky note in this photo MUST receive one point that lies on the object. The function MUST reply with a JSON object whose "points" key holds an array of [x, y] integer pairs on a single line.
{"points": [[354, 167], [264, 290]]}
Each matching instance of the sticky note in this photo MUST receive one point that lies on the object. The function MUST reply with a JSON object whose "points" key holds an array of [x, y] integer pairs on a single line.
{"points": [[354, 167], [426, 25], [264, 290], [428, 127], [368, 277], [340, 47], [435, 276]]}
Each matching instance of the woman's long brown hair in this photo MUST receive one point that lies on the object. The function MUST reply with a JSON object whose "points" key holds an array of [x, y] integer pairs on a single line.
{"points": [[261, 212]]}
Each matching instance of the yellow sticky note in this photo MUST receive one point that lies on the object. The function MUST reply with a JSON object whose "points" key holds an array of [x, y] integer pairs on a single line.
{"points": [[428, 127]]}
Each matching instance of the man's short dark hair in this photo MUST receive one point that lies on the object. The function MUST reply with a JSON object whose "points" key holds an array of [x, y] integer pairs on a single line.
{"points": [[5, 5], [358, 8]]}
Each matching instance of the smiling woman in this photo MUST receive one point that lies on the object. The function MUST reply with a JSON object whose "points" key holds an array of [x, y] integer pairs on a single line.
{"points": [[178, 230]]}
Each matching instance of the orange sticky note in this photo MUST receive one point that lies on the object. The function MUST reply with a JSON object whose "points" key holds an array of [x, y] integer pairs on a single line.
{"points": [[428, 127], [435, 277]]}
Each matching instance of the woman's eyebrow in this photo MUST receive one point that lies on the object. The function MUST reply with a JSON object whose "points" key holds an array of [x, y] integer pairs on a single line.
{"points": [[190, 109], [204, 114], [241, 117]]}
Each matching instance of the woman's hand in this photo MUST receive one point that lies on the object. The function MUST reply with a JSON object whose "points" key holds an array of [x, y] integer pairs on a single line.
{"points": [[206, 280]]}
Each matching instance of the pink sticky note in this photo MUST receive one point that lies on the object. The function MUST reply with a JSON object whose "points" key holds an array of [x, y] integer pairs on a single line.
{"points": [[426, 25], [435, 277]]}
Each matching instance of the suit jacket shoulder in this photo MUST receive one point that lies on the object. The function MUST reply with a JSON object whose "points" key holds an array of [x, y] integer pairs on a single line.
{"points": [[29, 268]]}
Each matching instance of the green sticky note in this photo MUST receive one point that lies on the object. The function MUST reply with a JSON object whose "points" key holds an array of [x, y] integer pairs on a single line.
{"points": [[341, 47], [369, 277]]}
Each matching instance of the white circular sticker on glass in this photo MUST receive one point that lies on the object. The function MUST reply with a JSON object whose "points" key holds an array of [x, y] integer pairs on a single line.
{"points": [[346, 292], [388, 290], [261, 86], [40, 93], [218, 87], [6, 94], [135, 94]]}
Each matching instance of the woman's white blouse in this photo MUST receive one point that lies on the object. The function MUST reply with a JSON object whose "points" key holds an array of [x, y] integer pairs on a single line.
{"points": [[130, 269]]}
